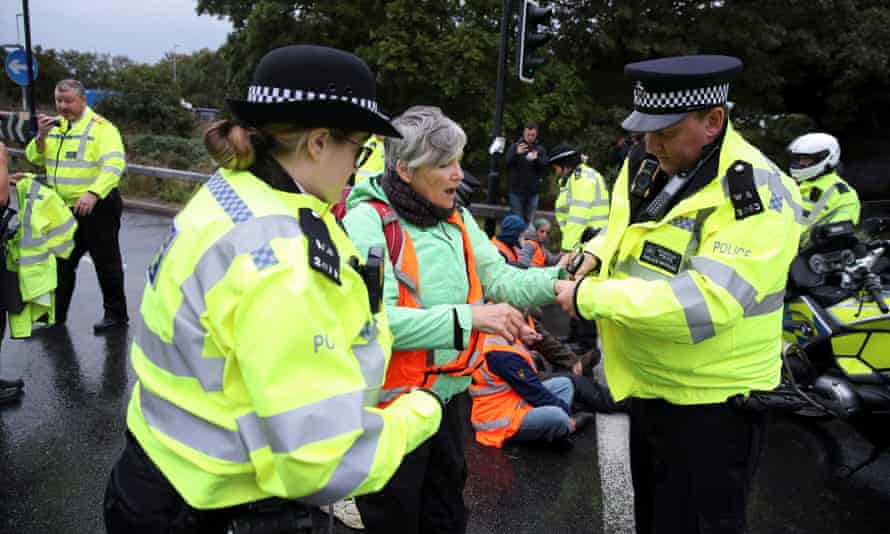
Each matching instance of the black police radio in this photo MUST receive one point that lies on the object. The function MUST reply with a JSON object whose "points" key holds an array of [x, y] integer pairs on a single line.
{"points": [[372, 275]]}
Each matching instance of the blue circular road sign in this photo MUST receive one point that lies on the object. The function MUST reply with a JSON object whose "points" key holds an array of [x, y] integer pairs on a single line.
{"points": [[17, 66]]}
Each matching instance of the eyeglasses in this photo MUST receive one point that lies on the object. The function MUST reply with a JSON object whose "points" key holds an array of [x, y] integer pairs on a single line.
{"points": [[363, 154]]}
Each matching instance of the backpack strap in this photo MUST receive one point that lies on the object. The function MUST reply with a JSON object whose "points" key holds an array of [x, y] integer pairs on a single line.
{"points": [[392, 229]]}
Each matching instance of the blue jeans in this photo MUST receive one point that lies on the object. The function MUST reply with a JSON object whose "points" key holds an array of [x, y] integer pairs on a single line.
{"points": [[548, 422], [524, 204]]}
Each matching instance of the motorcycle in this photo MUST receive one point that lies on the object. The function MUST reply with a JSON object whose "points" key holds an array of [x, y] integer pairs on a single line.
{"points": [[836, 334]]}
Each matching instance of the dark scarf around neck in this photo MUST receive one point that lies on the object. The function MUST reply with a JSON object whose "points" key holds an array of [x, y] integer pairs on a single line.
{"points": [[410, 205]]}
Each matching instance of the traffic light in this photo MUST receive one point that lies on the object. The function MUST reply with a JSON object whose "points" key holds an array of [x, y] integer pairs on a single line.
{"points": [[531, 16]]}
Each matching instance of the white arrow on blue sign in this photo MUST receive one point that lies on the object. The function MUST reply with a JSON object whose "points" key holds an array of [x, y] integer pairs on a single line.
{"points": [[17, 66]]}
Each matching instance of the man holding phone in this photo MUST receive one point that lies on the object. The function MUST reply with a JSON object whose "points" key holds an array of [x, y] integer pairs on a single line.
{"points": [[84, 159], [527, 159]]}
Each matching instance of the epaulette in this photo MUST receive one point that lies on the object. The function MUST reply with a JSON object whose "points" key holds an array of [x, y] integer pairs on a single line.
{"points": [[743, 191], [842, 187]]}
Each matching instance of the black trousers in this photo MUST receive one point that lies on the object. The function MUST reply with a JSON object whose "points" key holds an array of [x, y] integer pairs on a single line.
{"points": [[140, 500], [692, 466], [97, 233], [583, 332], [425, 496]]}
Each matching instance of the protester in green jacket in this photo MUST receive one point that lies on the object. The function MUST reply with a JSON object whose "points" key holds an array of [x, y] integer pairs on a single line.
{"points": [[422, 175]]}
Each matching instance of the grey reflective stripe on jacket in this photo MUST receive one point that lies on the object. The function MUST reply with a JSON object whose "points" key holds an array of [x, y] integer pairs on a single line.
{"points": [[816, 213], [493, 425], [283, 432], [28, 240], [690, 297]]}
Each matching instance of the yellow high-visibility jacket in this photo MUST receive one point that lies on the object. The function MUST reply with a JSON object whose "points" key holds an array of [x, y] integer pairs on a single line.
{"points": [[259, 376], [828, 198], [86, 155], [689, 307], [376, 161], [583, 201], [46, 232]]}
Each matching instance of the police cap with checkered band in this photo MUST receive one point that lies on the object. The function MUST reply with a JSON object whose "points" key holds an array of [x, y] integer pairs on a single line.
{"points": [[667, 89], [313, 87]]}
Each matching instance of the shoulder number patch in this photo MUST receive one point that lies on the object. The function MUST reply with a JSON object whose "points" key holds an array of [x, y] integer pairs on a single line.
{"points": [[743, 191], [323, 255]]}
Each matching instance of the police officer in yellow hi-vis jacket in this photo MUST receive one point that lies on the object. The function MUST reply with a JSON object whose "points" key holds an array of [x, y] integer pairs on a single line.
{"points": [[84, 159], [262, 348], [688, 295], [583, 200]]}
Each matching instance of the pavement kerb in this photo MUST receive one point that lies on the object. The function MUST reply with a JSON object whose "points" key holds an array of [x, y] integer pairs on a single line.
{"points": [[152, 206]]}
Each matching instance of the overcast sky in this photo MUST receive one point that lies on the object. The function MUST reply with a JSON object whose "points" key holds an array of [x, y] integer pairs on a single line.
{"points": [[141, 29]]}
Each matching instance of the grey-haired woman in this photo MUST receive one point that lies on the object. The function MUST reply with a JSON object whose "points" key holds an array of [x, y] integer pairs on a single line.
{"points": [[433, 292]]}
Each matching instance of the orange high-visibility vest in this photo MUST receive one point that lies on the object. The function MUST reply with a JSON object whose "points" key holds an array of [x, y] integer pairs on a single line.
{"points": [[539, 259], [506, 250], [498, 410], [416, 368]]}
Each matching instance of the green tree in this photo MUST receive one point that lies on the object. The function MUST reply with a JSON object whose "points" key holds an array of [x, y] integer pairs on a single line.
{"points": [[145, 101], [827, 60]]}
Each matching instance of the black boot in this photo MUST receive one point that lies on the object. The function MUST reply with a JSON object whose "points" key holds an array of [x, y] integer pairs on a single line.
{"points": [[7, 384], [10, 394], [582, 420], [109, 323]]}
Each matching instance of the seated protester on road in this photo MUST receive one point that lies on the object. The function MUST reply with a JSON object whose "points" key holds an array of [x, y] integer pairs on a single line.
{"points": [[555, 358], [508, 240], [533, 251], [259, 355], [435, 307], [511, 403]]}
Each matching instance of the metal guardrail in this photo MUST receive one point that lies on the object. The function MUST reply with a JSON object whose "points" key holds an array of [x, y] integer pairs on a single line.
{"points": [[870, 208], [479, 210], [145, 170]]}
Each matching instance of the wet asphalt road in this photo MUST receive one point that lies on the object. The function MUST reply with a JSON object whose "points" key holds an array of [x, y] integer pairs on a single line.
{"points": [[57, 445]]}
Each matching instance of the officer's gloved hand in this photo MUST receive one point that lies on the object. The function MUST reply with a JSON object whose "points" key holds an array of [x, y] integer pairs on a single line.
{"points": [[589, 233]]}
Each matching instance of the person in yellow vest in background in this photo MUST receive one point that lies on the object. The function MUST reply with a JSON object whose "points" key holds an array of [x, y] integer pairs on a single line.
{"points": [[688, 295], [44, 238], [84, 159], [826, 196], [10, 390], [583, 200], [262, 345], [374, 165]]}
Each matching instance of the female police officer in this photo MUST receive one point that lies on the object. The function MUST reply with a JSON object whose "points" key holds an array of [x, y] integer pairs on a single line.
{"points": [[258, 357]]}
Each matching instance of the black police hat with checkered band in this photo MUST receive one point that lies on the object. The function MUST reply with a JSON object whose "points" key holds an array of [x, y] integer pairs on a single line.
{"points": [[667, 89], [313, 87]]}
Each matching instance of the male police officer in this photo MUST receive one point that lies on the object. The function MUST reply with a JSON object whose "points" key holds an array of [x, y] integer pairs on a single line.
{"points": [[583, 200], [688, 296], [826, 196], [84, 159]]}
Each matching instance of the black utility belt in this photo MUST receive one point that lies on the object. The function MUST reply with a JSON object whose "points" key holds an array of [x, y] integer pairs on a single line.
{"points": [[271, 516]]}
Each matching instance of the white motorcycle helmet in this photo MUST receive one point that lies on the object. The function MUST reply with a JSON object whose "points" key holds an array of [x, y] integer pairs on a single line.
{"points": [[813, 155]]}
